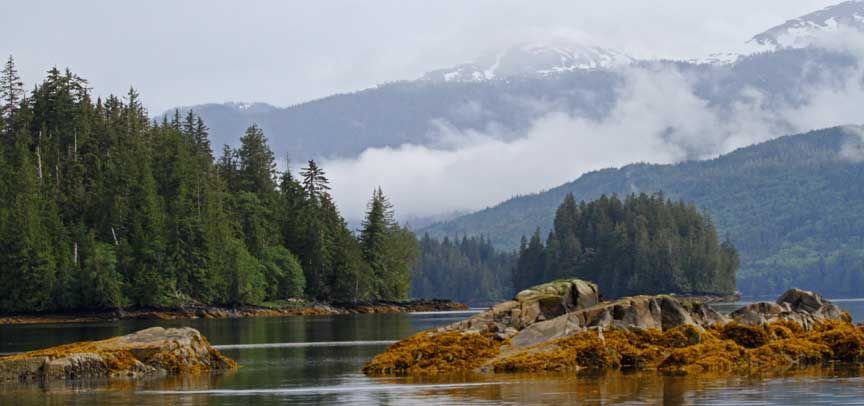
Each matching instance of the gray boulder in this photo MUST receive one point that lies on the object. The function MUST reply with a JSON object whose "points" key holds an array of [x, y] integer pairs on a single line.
{"points": [[805, 307], [639, 312], [530, 306]]}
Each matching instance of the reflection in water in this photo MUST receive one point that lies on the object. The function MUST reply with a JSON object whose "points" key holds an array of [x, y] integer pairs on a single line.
{"points": [[316, 360], [830, 385], [312, 344]]}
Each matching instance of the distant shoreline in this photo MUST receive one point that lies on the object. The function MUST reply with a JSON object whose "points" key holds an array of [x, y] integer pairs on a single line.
{"points": [[220, 312], [709, 298], [697, 298]]}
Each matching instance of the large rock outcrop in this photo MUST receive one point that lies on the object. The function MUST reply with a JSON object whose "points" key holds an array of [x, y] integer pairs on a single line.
{"points": [[152, 352], [643, 312], [530, 306], [563, 325]]}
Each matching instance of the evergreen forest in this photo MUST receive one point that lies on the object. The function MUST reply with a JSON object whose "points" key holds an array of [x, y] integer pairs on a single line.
{"points": [[102, 208], [644, 244], [468, 270]]}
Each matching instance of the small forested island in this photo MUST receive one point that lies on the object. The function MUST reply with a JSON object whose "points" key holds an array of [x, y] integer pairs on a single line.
{"points": [[641, 245], [102, 208]]}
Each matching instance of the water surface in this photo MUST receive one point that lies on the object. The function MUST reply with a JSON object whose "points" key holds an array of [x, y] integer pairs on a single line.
{"points": [[317, 360]]}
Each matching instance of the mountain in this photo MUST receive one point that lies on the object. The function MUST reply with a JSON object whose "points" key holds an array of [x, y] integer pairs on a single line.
{"points": [[412, 112], [792, 207], [503, 93], [228, 121], [532, 59], [801, 31], [421, 112]]}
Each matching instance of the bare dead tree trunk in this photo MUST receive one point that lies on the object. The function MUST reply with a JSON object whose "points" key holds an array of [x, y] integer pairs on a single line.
{"points": [[198, 193], [356, 288], [39, 158], [113, 234], [39, 163], [75, 253]]}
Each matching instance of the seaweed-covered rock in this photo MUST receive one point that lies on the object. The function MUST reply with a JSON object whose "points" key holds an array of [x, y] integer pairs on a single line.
{"points": [[152, 352], [432, 353], [562, 326]]}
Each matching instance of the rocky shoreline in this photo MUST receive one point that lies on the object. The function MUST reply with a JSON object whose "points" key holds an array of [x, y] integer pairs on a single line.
{"points": [[215, 312], [564, 326]]}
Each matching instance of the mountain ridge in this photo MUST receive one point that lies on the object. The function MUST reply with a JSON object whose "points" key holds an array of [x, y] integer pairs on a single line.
{"points": [[787, 205], [800, 32], [532, 59]]}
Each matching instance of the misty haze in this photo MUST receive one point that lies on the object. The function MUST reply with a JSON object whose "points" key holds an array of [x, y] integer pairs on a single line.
{"points": [[404, 202]]}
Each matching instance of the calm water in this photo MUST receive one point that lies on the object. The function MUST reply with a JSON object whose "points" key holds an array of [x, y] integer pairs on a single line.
{"points": [[317, 360]]}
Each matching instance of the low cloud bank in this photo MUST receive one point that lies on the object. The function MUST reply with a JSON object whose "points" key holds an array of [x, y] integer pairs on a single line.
{"points": [[659, 118]]}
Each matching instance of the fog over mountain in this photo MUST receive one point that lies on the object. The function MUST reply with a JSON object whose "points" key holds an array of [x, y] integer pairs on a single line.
{"points": [[536, 115]]}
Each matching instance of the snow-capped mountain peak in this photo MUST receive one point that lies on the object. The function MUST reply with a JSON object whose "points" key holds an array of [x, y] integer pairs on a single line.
{"points": [[252, 108], [800, 32], [532, 59]]}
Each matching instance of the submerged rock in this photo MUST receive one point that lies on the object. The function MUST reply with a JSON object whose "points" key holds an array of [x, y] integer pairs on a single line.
{"points": [[152, 352], [563, 326]]}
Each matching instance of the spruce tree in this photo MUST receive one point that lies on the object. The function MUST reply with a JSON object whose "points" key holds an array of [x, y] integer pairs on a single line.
{"points": [[228, 168], [257, 167], [315, 183], [290, 207], [389, 250], [200, 134], [11, 94], [374, 236]]}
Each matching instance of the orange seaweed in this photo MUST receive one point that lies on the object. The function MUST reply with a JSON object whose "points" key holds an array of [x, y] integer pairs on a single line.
{"points": [[725, 348]]}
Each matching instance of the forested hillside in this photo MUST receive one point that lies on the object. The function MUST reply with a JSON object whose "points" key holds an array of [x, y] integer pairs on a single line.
{"points": [[641, 245], [792, 207], [101, 208]]}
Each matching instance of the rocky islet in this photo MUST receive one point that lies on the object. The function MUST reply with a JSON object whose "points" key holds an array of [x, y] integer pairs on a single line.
{"points": [[153, 352], [565, 326]]}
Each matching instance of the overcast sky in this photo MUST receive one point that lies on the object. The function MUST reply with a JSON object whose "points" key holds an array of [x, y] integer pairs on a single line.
{"points": [[285, 52]]}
